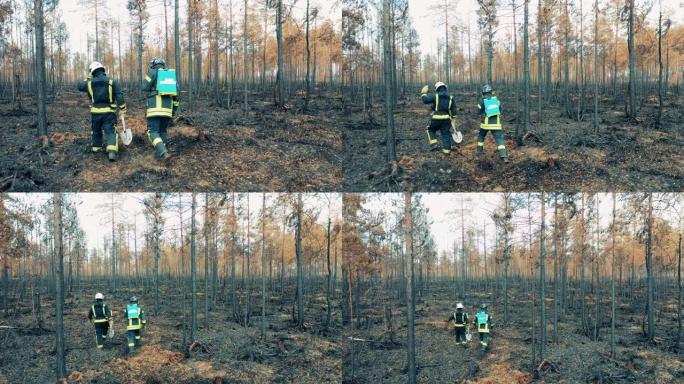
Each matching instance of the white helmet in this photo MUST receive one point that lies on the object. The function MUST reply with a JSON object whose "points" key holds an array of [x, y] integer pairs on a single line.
{"points": [[95, 65], [459, 306], [99, 296], [439, 84]]}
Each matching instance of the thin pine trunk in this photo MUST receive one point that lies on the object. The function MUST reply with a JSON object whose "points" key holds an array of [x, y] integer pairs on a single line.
{"points": [[176, 38], [542, 277], [193, 270], [263, 265], [612, 287], [308, 61], [206, 260], [40, 72], [410, 290], [244, 59], [299, 255], [280, 87], [526, 70], [387, 75], [649, 267], [59, 300], [660, 66], [632, 71]]}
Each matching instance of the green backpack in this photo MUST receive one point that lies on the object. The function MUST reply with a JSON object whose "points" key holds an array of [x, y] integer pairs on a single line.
{"points": [[492, 106], [166, 82]]}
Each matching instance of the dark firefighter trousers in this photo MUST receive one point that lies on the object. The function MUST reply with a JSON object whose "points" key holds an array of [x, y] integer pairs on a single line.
{"points": [[157, 129], [484, 340], [101, 330], [498, 138], [460, 335], [444, 127], [134, 339], [104, 123]]}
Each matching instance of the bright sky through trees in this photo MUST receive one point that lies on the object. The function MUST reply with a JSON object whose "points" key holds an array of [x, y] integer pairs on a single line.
{"points": [[429, 22], [93, 214], [444, 213], [79, 25]]}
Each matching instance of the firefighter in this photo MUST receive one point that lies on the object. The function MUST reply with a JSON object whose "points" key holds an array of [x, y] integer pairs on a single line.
{"points": [[105, 96], [161, 109], [460, 321], [483, 323], [100, 315], [135, 322], [489, 109], [443, 110]]}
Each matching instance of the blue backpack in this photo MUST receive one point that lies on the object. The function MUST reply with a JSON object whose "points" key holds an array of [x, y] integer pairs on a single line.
{"points": [[133, 311], [492, 106], [482, 321], [166, 82]]}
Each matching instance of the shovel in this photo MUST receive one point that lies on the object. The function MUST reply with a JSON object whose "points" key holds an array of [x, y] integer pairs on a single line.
{"points": [[456, 135], [125, 135], [469, 336], [110, 333]]}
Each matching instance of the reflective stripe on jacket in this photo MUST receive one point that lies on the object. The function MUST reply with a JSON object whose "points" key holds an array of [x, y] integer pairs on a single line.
{"points": [[157, 105], [443, 105], [105, 94]]}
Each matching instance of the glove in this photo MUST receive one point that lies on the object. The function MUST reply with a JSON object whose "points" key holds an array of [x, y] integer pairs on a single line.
{"points": [[424, 90]]}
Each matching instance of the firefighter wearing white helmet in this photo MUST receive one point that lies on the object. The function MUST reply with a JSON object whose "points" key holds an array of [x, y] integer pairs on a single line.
{"points": [[100, 315], [443, 110], [105, 98], [459, 320]]}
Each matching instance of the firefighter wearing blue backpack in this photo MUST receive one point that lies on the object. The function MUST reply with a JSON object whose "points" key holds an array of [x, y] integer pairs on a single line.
{"points": [[483, 323], [489, 108], [443, 110], [135, 322], [162, 104]]}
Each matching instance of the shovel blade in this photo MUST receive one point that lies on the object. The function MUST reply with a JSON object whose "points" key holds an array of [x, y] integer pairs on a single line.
{"points": [[126, 136]]}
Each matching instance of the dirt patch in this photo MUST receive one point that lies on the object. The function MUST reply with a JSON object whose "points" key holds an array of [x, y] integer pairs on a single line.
{"points": [[575, 358], [225, 350], [563, 154], [214, 149], [502, 374]]}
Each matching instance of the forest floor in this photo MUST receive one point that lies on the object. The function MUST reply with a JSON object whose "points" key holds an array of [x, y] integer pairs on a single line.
{"points": [[574, 359], [226, 353], [265, 149], [564, 155]]}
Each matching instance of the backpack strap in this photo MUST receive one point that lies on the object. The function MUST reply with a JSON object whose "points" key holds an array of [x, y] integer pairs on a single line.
{"points": [[90, 90]]}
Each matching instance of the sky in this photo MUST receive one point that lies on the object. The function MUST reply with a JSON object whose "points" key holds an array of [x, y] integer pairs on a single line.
{"points": [[79, 24], [445, 209], [93, 210], [430, 24]]}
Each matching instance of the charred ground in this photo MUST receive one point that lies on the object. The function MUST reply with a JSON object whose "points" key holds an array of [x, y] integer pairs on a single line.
{"points": [[225, 352], [266, 149], [575, 358], [566, 154]]}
